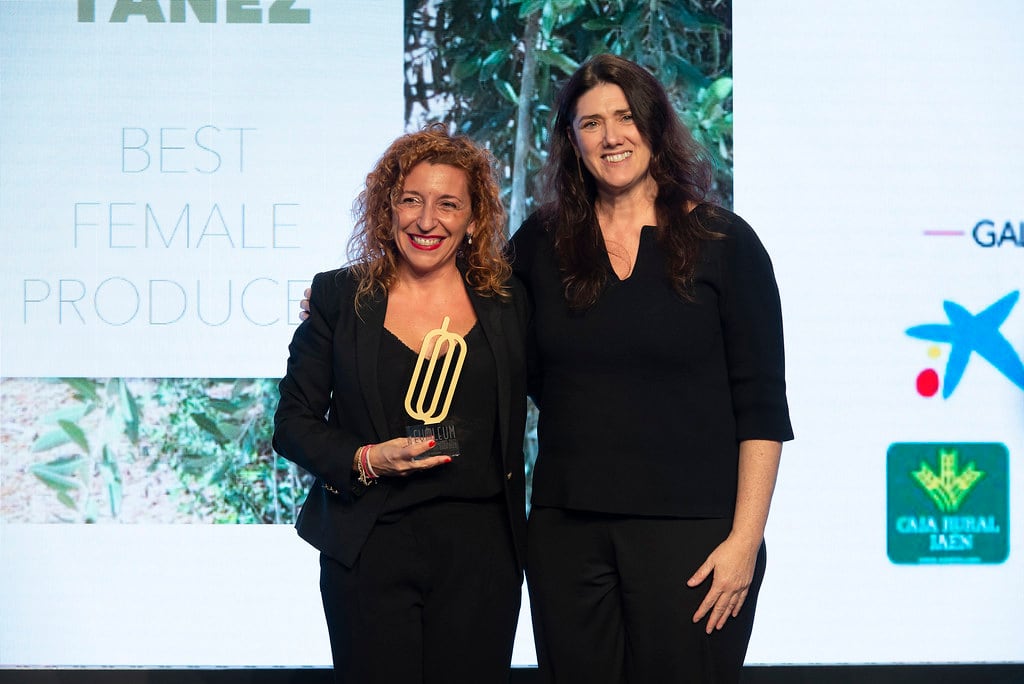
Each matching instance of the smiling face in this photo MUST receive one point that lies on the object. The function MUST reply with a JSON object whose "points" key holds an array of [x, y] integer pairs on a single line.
{"points": [[431, 218], [605, 136]]}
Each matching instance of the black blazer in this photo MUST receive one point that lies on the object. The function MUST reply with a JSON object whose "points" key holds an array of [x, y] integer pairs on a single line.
{"points": [[331, 405]]}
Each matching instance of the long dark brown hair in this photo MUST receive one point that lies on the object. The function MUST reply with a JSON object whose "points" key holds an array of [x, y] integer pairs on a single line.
{"points": [[679, 166]]}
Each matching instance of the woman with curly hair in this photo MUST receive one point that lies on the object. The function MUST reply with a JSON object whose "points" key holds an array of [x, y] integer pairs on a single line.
{"points": [[421, 553]]}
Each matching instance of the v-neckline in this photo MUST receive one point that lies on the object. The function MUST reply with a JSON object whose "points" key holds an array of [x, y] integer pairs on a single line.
{"points": [[417, 351], [636, 261]]}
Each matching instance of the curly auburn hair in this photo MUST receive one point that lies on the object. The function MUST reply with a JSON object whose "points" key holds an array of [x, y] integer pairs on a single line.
{"points": [[372, 247]]}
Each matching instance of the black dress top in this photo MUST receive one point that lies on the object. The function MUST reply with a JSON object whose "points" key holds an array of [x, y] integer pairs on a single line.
{"points": [[644, 397], [476, 472]]}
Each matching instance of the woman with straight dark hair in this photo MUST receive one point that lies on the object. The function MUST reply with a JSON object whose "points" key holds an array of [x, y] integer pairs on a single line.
{"points": [[659, 374]]}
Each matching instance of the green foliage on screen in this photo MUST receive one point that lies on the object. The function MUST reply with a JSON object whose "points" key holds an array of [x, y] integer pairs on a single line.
{"points": [[217, 438], [97, 451], [213, 434]]}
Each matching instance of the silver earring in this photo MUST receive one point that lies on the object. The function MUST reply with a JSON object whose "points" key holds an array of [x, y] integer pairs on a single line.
{"points": [[469, 239]]}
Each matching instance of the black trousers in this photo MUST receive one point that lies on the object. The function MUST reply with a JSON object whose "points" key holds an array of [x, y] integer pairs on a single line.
{"points": [[433, 598], [610, 602]]}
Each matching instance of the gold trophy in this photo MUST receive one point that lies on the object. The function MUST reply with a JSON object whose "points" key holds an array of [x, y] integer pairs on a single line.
{"points": [[431, 390]]}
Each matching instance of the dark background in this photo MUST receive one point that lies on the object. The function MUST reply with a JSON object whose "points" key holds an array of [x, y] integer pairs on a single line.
{"points": [[879, 674]]}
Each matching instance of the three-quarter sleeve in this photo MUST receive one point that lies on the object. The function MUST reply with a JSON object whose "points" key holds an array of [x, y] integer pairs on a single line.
{"points": [[751, 319]]}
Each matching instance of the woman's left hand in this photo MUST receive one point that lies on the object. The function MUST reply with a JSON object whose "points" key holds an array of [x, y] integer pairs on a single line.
{"points": [[731, 565]]}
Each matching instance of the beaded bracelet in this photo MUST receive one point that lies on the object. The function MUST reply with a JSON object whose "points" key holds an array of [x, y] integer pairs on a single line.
{"points": [[366, 475], [367, 465]]}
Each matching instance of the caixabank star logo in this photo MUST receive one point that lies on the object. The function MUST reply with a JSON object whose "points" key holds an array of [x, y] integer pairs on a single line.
{"points": [[948, 503], [969, 334]]}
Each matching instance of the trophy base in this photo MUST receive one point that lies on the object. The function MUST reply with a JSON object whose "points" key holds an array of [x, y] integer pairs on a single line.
{"points": [[442, 433]]}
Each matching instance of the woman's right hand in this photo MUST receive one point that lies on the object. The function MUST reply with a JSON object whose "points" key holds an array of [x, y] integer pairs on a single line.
{"points": [[398, 457]]}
